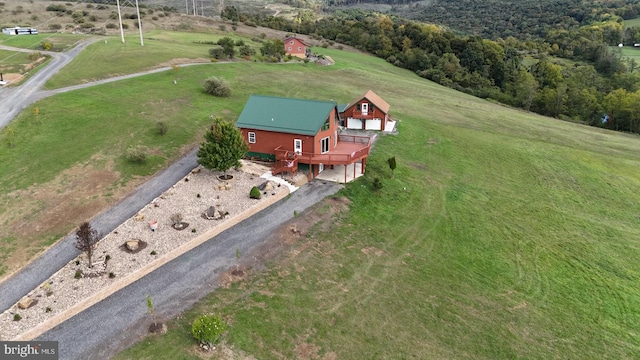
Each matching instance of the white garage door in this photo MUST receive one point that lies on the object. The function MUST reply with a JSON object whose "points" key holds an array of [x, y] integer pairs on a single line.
{"points": [[354, 123], [373, 124]]}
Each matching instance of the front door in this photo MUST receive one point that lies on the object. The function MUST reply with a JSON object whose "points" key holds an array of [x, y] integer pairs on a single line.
{"points": [[297, 146], [365, 108], [320, 168]]}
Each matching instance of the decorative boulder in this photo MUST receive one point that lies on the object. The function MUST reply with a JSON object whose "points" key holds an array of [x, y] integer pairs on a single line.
{"points": [[26, 302], [132, 245]]}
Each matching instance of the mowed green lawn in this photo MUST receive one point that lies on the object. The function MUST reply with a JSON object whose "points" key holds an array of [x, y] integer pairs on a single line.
{"points": [[130, 57], [59, 41], [503, 234]]}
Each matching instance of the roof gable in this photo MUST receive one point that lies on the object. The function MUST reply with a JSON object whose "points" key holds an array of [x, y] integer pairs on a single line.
{"points": [[375, 100], [293, 116], [295, 38]]}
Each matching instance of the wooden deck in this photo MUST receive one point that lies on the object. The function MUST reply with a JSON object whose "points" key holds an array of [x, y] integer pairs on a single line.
{"points": [[350, 149]]}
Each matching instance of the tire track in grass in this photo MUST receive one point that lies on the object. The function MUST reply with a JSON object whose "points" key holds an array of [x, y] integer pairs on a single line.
{"points": [[364, 272]]}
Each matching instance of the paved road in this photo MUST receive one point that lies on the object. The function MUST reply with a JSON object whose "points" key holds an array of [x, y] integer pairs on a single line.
{"points": [[15, 99], [121, 320]]}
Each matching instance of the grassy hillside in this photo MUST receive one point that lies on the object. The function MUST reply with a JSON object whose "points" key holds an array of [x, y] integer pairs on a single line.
{"points": [[503, 235]]}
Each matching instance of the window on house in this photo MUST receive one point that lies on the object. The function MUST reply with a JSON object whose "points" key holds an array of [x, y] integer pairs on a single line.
{"points": [[291, 42], [290, 48], [252, 138], [299, 48], [358, 107], [335, 138], [326, 125], [324, 144]]}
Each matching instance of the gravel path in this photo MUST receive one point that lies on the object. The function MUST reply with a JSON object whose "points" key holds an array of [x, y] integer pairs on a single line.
{"points": [[121, 320], [34, 274], [64, 296]]}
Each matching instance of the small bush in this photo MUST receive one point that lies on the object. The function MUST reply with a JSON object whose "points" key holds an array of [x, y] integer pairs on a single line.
{"points": [[176, 219], [111, 26], [193, 230], [55, 27], [112, 275], [162, 127], [107, 258], [217, 87], [377, 184], [208, 329], [216, 53], [154, 252], [78, 274], [17, 317], [254, 193], [46, 45], [137, 154], [77, 262], [53, 7], [33, 56], [246, 50], [48, 309]]}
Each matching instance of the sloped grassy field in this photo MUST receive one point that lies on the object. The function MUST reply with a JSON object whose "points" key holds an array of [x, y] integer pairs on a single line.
{"points": [[503, 234]]}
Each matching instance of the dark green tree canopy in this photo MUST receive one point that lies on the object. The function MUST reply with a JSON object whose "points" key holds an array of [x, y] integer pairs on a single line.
{"points": [[223, 147]]}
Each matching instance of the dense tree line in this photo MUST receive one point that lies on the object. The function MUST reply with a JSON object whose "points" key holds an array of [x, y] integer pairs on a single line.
{"points": [[589, 82], [522, 19]]}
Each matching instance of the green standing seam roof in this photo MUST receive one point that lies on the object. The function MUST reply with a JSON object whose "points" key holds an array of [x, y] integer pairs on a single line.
{"points": [[342, 107], [293, 116]]}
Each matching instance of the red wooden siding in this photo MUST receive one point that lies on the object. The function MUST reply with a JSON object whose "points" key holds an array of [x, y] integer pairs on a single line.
{"points": [[295, 47], [373, 113]]}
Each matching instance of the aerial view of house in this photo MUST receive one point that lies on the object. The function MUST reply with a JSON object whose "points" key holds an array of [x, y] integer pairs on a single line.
{"points": [[300, 134]]}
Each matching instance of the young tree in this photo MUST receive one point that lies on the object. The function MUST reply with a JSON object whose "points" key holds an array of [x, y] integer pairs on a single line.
{"points": [[227, 45], [392, 164], [223, 147], [273, 48], [86, 239]]}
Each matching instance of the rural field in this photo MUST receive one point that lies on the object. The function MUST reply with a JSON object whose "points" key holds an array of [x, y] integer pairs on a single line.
{"points": [[503, 234]]}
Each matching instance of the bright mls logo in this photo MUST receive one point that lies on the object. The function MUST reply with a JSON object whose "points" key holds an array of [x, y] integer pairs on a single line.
{"points": [[43, 350]]}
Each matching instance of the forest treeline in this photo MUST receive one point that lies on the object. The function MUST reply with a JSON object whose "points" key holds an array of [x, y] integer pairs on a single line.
{"points": [[572, 74], [522, 19]]}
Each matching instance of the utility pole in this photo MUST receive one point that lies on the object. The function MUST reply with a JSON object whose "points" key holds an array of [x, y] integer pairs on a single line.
{"points": [[120, 20], [194, 7], [186, 4], [139, 23]]}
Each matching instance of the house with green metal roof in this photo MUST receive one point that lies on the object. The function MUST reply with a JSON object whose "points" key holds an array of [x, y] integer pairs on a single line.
{"points": [[300, 134]]}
